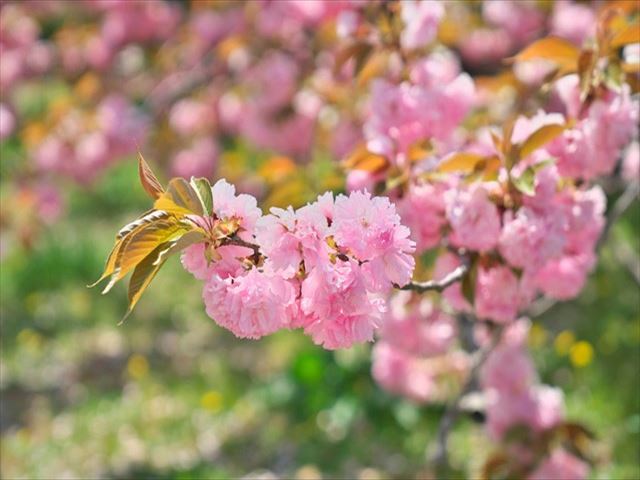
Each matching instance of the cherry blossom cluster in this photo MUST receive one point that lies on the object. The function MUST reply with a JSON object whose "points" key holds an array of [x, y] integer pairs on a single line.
{"points": [[416, 354], [325, 267], [515, 400]]}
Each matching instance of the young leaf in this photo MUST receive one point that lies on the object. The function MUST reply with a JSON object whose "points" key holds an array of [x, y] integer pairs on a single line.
{"points": [[202, 188], [363, 159], [460, 162], [121, 238], [143, 274], [179, 199], [144, 241], [539, 138], [149, 181], [525, 183]]}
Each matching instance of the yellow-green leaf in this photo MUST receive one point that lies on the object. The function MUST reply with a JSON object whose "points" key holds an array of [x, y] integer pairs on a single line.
{"points": [[202, 187], [143, 274], [144, 241], [539, 138], [180, 198], [460, 162], [145, 219], [149, 181]]}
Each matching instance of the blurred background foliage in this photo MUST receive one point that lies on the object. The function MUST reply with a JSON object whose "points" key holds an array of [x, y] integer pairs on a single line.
{"points": [[171, 395]]}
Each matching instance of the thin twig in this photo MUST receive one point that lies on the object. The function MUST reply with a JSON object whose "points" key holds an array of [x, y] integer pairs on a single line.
{"points": [[623, 202], [439, 285], [440, 458]]}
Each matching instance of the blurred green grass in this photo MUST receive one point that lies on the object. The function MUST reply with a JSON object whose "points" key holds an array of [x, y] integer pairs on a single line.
{"points": [[170, 395]]}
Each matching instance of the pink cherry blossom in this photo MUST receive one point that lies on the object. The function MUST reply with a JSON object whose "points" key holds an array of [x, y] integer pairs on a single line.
{"points": [[417, 326], [421, 21], [574, 21], [497, 294], [474, 219], [251, 305], [370, 229], [529, 239], [339, 310], [243, 207], [560, 465]]}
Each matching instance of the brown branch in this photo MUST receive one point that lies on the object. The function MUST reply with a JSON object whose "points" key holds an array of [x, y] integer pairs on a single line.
{"points": [[439, 285], [238, 242], [440, 458]]}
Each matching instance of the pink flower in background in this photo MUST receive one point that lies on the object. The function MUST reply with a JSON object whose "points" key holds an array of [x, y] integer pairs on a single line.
{"points": [[560, 465], [251, 305], [339, 311], [189, 117], [445, 264], [417, 327], [631, 163], [404, 114], [522, 20], [422, 209], [574, 21], [529, 239], [564, 278], [421, 20], [7, 121], [398, 372], [370, 229], [198, 161], [474, 219], [497, 295]]}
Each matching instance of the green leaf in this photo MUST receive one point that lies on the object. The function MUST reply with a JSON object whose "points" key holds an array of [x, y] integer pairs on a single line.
{"points": [[202, 188], [525, 183]]}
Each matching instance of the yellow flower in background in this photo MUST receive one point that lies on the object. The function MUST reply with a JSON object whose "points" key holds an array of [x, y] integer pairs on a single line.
{"points": [[137, 366], [581, 354], [538, 336], [211, 401], [563, 342]]}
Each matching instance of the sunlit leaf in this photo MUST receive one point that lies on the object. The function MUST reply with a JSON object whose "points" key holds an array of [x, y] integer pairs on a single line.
{"points": [[143, 274], [141, 243], [554, 49], [629, 34], [110, 266], [539, 138], [363, 159], [180, 198], [359, 51], [460, 162], [374, 66], [202, 187], [149, 181]]}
